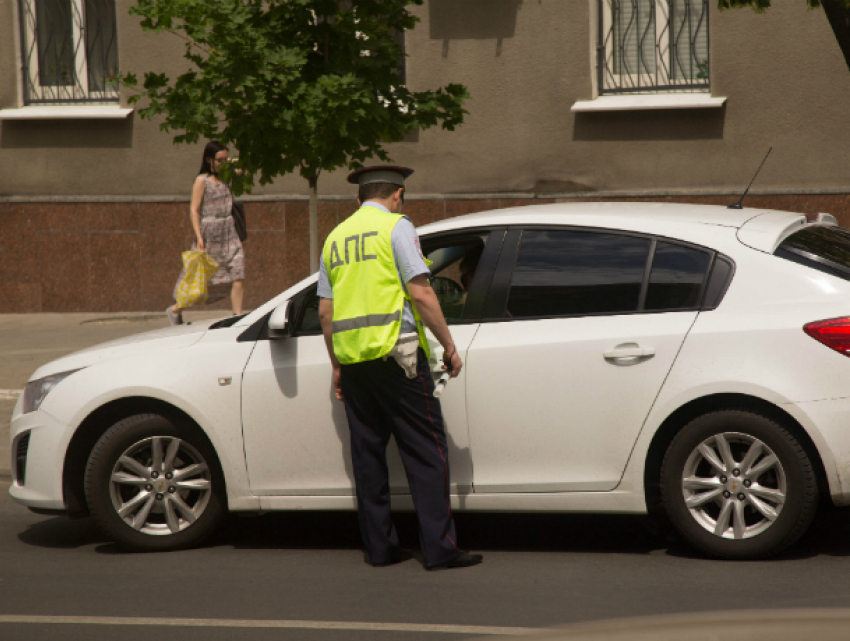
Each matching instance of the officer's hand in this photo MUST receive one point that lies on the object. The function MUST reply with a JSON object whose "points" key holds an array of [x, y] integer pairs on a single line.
{"points": [[452, 362], [338, 383]]}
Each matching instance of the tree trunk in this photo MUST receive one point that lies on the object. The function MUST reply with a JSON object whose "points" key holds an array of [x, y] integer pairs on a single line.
{"points": [[839, 19], [314, 224]]}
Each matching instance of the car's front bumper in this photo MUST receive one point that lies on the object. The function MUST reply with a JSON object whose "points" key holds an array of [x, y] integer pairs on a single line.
{"points": [[39, 484]]}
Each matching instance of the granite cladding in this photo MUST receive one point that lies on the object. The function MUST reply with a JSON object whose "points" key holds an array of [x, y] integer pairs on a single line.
{"points": [[112, 257]]}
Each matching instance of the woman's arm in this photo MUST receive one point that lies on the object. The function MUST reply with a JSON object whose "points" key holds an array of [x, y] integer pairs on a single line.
{"points": [[195, 210]]}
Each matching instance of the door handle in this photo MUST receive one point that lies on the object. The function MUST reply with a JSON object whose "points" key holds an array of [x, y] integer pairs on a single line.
{"points": [[632, 351]]}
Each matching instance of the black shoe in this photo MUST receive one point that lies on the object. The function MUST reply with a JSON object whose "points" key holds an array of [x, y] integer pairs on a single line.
{"points": [[462, 560], [402, 556]]}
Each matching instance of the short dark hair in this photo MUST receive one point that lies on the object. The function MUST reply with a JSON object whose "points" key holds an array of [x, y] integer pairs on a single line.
{"points": [[371, 191]]}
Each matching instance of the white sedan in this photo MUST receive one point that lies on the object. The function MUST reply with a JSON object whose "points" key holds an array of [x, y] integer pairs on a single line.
{"points": [[690, 361]]}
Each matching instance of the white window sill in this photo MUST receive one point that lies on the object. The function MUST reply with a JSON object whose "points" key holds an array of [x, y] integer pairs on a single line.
{"points": [[636, 102], [66, 112]]}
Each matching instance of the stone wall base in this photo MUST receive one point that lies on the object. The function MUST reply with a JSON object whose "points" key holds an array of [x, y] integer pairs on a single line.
{"points": [[125, 256]]}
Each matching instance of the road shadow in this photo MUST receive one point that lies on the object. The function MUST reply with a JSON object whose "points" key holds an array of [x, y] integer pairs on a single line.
{"points": [[568, 533], [63, 533]]}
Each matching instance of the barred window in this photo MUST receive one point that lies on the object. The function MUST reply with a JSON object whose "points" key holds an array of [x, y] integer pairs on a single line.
{"points": [[649, 46], [70, 51]]}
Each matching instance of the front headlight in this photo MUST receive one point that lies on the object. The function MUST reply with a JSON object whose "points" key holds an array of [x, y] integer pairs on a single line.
{"points": [[36, 391]]}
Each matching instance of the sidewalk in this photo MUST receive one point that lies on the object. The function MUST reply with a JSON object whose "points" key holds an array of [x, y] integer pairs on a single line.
{"points": [[28, 341]]}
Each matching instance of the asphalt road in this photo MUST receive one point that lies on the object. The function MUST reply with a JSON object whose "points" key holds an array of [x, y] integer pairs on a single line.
{"points": [[539, 571]]}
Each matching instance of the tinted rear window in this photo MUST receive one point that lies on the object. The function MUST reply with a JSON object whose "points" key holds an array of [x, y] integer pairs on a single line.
{"points": [[566, 273], [826, 249], [676, 278]]}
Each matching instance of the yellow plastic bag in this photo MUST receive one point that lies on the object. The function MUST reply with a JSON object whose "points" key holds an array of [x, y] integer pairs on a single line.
{"points": [[198, 269]]}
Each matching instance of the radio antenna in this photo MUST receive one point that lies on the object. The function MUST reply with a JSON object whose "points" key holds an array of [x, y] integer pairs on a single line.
{"points": [[740, 203]]}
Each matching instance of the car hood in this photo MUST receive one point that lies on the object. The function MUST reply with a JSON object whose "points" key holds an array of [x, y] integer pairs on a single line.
{"points": [[156, 340]]}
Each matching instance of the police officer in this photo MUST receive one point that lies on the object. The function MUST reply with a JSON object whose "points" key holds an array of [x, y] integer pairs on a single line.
{"points": [[375, 297]]}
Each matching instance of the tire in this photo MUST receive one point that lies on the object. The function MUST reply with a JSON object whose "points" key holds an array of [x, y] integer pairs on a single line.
{"points": [[148, 505], [737, 485]]}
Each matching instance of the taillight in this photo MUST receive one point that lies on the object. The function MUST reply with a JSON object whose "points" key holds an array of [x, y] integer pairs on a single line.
{"points": [[834, 333]]}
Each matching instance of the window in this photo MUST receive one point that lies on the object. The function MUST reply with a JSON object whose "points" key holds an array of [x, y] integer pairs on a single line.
{"points": [[676, 279], [306, 313], [453, 269], [399, 39], [826, 249], [70, 51], [648, 46], [568, 273]]}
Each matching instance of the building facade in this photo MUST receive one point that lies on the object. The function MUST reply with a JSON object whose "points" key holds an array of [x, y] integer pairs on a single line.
{"points": [[570, 100]]}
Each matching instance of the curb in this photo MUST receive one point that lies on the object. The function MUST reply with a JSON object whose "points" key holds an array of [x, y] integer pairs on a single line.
{"points": [[114, 320]]}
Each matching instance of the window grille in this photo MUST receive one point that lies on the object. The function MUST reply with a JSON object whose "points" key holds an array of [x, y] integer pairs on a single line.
{"points": [[70, 52], [653, 46]]}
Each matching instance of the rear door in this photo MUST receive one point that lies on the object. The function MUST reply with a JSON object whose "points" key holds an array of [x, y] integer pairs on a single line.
{"points": [[580, 331]]}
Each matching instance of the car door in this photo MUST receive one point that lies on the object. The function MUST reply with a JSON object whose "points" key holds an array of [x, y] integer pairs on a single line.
{"points": [[295, 431], [296, 434], [581, 328]]}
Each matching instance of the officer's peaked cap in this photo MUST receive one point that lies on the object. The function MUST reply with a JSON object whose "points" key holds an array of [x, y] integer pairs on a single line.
{"points": [[380, 174]]}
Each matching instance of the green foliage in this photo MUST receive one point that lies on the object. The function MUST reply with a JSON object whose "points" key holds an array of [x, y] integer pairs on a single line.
{"points": [[311, 85]]}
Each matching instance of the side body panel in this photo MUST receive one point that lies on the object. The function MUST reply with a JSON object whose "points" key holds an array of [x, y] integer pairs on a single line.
{"points": [[753, 344], [187, 378]]}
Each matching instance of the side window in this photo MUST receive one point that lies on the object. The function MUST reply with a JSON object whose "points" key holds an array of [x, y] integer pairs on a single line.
{"points": [[453, 269], [569, 273], [677, 275], [307, 323]]}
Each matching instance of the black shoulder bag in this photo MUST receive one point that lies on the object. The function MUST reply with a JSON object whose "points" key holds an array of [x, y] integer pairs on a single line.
{"points": [[238, 213]]}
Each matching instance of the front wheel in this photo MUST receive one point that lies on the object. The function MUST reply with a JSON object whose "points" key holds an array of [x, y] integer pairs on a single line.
{"points": [[154, 486], [737, 485]]}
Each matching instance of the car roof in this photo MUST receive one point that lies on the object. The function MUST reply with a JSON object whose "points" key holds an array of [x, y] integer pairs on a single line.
{"points": [[636, 216]]}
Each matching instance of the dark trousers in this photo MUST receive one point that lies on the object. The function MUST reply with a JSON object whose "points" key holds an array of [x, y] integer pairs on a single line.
{"points": [[381, 401]]}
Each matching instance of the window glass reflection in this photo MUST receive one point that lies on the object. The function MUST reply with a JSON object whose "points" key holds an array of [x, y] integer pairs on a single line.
{"points": [[676, 278], [560, 273]]}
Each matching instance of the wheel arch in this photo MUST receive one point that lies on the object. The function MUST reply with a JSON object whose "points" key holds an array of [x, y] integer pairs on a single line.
{"points": [[674, 423], [100, 420]]}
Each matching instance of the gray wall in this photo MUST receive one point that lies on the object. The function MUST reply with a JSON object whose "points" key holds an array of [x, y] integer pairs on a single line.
{"points": [[525, 62]]}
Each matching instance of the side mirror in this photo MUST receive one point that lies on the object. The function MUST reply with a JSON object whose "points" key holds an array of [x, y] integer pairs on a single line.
{"points": [[279, 322]]}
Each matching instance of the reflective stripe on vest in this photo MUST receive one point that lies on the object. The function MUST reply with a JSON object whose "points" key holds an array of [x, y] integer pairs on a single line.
{"points": [[372, 320], [367, 295]]}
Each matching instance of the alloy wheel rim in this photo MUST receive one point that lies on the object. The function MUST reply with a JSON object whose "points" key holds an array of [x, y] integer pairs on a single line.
{"points": [[160, 486], [734, 485]]}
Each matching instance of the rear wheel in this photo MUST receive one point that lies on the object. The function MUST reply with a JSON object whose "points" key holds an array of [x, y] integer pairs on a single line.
{"points": [[738, 485], [153, 485]]}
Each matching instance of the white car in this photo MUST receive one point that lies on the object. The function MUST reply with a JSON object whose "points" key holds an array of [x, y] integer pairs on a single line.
{"points": [[677, 359]]}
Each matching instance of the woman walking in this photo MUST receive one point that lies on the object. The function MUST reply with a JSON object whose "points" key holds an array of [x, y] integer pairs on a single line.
{"points": [[215, 233]]}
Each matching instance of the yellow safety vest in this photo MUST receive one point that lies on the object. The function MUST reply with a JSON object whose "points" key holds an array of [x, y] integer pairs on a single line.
{"points": [[367, 295]]}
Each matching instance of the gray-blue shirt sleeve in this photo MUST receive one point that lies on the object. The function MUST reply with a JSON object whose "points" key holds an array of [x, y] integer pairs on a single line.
{"points": [[407, 252], [324, 290]]}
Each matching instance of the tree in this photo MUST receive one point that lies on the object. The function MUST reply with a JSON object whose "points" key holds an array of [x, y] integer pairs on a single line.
{"points": [[837, 12], [312, 85]]}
